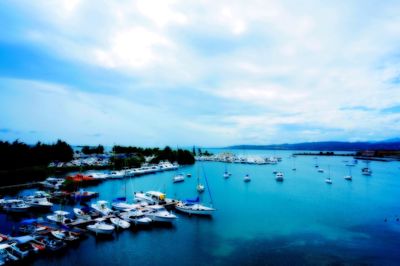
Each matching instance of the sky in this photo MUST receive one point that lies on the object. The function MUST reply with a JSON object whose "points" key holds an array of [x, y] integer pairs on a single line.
{"points": [[208, 73]]}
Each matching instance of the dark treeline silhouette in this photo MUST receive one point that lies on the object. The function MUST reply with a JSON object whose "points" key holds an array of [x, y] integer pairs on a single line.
{"points": [[180, 156], [93, 150], [138, 150], [17, 154]]}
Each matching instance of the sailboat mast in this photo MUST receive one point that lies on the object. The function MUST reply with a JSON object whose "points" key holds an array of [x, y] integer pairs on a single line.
{"points": [[208, 188]]}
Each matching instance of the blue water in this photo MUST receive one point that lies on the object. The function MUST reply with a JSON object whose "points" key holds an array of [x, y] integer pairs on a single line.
{"points": [[300, 221]]}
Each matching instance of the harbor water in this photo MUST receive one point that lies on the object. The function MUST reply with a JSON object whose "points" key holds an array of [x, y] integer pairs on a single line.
{"points": [[300, 221]]}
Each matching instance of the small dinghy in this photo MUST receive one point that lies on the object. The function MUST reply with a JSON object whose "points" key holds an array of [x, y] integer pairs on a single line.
{"points": [[119, 223]]}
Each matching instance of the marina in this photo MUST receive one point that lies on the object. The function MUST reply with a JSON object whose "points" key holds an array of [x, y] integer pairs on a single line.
{"points": [[92, 220]]}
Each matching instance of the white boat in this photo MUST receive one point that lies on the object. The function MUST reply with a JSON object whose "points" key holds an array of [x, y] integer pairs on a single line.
{"points": [[194, 208], [122, 206], [102, 207], [117, 174], [247, 178], [348, 177], [189, 175], [80, 214], [178, 178], [101, 228], [279, 177], [366, 170], [52, 183], [328, 180], [39, 203], [15, 205], [158, 213], [59, 217], [226, 175], [151, 197], [63, 235], [119, 223], [136, 217], [200, 188]]}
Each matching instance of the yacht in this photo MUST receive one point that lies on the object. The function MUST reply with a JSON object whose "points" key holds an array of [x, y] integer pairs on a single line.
{"points": [[81, 214], [194, 208], [159, 214], [59, 217], [15, 205], [64, 235], [120, 223], [179, 178], [328, 180], [366, 171], [246, 178], [226, 175], [39, 203], [102, 228], [102, 207], [137, 217], [122, 206], [151, 197], [6, 254], [117, 174], [279, 177]]}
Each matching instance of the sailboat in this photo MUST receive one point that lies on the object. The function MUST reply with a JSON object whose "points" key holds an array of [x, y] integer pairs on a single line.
{"points": [[349, 177], [329, 180], [226, 174], [199, 187], [193, 206], [316, 162], [247, 178], [121, 204], [366, 170], [294, 163]]}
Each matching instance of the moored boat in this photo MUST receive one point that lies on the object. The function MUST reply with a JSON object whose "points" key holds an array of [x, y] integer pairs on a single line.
{"points": [[101, 228]]}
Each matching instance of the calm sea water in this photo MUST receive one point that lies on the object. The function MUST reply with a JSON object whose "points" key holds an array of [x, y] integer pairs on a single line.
{"points": [[300, 221]]}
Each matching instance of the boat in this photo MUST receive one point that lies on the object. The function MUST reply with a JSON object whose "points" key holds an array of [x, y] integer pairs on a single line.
{"points": [[151, 197], [316, 162], [189, 175], [178, 178], [136, 217], [31, 226], [247, 178], [158, 213], [52, 183], [59, 217], [102, 228], [320, 170], [51, 243], [15, 206], [120, 223], [199, 187], [226, 173], [279, 177], [6, 254], [102, 207], [194, 207], [349, 177], [294, 163], [39, 203], [366, 170], [117, 174], [64, 235], [328, 180], [120, 204], [82, 214]]}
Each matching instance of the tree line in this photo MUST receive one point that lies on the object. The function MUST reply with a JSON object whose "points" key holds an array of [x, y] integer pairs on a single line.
{"points": [[17, 154]]}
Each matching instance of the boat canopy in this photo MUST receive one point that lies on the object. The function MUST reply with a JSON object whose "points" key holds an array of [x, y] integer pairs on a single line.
{"points": [[23, 239], [119, 199], [192, 200], [28, 221]]}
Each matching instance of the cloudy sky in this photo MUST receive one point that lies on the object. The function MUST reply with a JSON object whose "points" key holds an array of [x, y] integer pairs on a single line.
{"points": [[209, 73]]}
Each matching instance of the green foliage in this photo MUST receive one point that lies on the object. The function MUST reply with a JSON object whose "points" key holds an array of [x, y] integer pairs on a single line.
{"points": [[18, 154], [138, 150], [132, 161], [93, 150], [180, 156]]}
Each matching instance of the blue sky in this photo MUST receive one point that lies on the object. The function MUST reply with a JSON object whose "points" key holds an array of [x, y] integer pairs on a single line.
{"points": [[209, 73]]}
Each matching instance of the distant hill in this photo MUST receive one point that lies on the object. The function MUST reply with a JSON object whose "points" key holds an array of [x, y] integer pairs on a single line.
{"points": [[393, 144]]}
